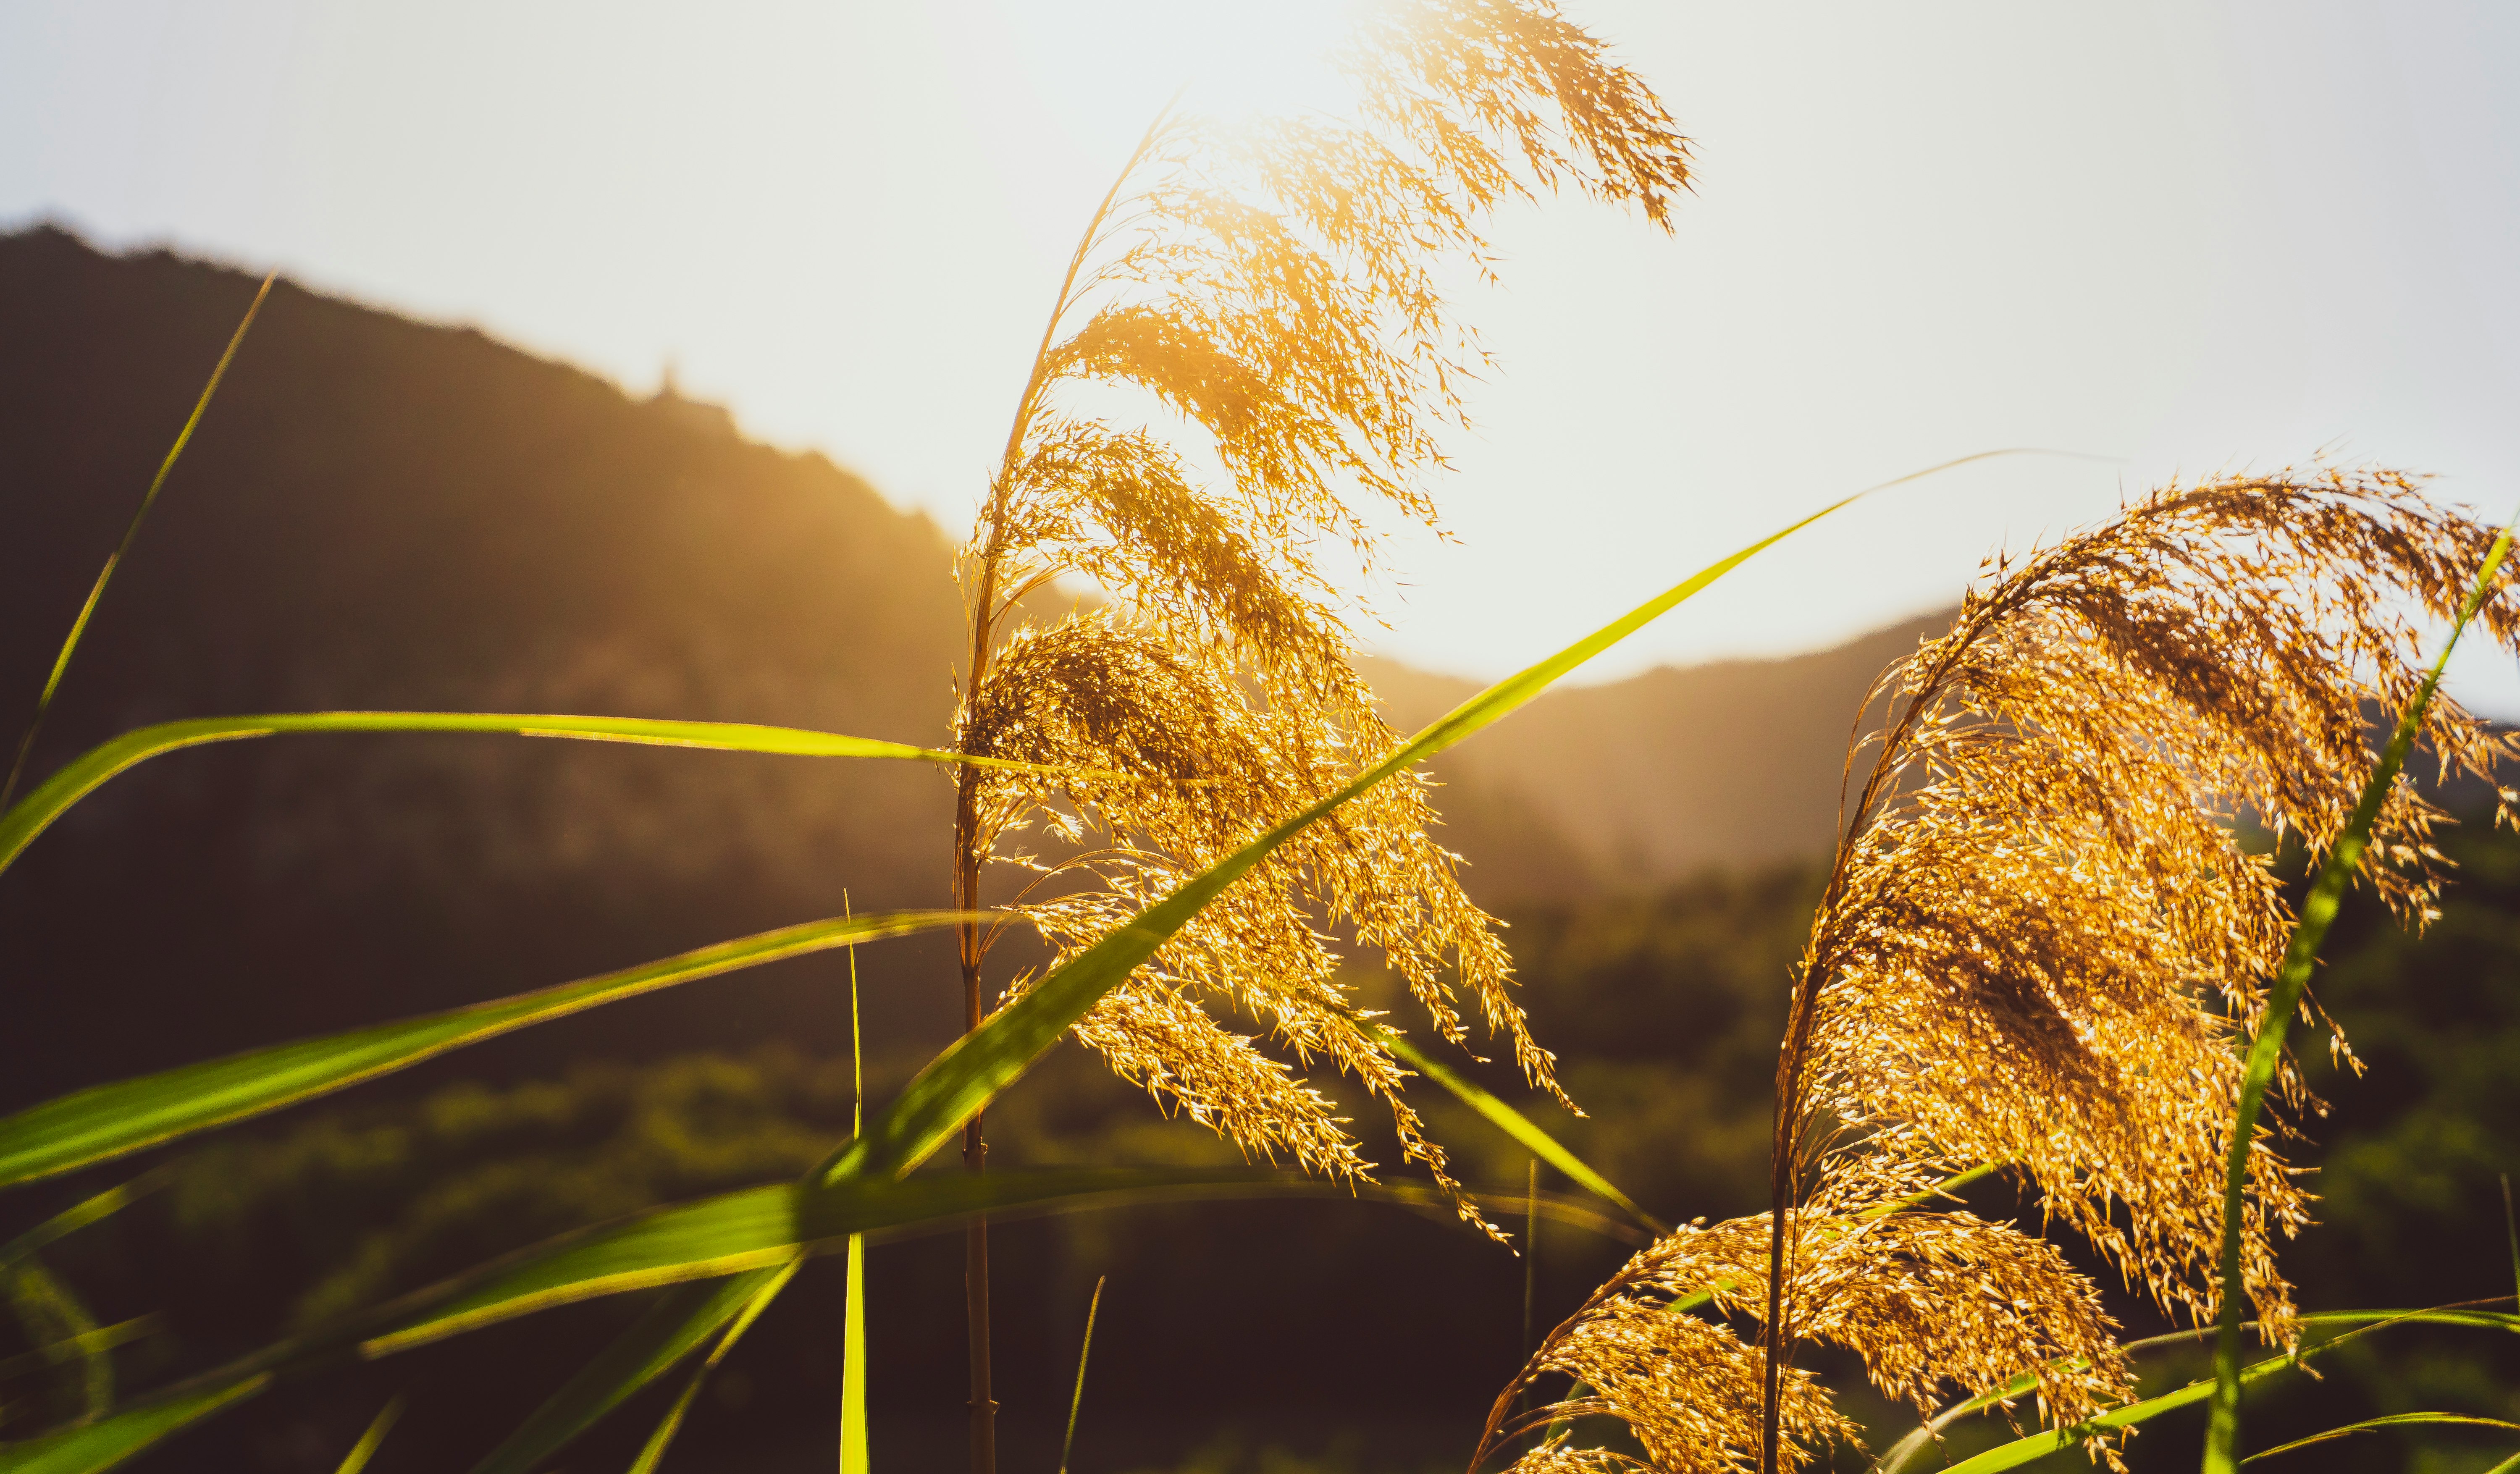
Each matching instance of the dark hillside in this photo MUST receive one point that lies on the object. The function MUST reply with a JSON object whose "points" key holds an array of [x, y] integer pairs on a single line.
{"points": [[378, 513], [384, 514]]}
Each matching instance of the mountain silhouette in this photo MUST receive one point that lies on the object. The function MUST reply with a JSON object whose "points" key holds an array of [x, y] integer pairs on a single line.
{"points": [[385, 514]]}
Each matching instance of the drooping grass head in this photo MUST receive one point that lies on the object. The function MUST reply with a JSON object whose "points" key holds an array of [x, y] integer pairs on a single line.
{"points": [[1271, 293]]}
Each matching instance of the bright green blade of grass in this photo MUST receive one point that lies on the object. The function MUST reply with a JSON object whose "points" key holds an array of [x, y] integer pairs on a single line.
{"points": [[1898, 1456], [853, 1366], [122, 549], [366, 1447], [1077, 1399], [672, 1328], [2266, 1051], [652, 1452], [102, 1445], [2022, 1450], [35, 813], [853, 1343], [1516, 1125], [106, 1121], [2392, 1420]]}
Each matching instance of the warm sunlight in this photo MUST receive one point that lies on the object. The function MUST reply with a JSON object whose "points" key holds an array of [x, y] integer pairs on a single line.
{"points": [[964, 734]]}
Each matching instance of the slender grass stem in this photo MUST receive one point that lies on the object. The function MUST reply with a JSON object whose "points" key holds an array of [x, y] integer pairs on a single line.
{"points": [[966, 843], [366, 1447], [122, 549], [1077, 1399], [854, 1458]]}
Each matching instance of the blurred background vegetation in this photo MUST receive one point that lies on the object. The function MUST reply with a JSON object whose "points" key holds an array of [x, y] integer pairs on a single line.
{"points": [[385, 514]]}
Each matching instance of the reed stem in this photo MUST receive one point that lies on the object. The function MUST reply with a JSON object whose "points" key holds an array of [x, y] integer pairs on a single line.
{"points": [[2266, 1051]]}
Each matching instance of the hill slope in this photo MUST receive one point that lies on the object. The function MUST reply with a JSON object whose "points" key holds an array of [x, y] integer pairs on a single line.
{"points": [[384, 514]]}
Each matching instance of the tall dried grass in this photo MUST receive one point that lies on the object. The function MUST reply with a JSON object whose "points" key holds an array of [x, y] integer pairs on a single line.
{"points": [[2040, 940], [1273, 288]]}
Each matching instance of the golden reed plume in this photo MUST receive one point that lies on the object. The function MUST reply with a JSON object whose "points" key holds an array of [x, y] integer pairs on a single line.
{"points": [[1273, 287], [2040, 940]]}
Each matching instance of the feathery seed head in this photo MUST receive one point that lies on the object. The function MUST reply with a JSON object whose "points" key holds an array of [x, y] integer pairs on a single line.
{"points": [[2043, 939], [1271, 288]]}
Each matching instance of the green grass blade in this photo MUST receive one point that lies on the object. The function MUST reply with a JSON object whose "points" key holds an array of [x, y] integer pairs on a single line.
{"points": [[1077, 1399], [122, 549], [853, 1344], [671, 1329], [2392, 1420], [366, 1447], [33, 814], [1898, 1456], [106, 1121], [991, 1057], [2509, 1466], [853, 1366], [2266, 1051], [1516, 1125], [102, 1445], [652, 1452], [2040, 1445]]}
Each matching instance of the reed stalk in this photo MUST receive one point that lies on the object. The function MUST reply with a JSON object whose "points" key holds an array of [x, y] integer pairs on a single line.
{"points": [[2266, 1049]]}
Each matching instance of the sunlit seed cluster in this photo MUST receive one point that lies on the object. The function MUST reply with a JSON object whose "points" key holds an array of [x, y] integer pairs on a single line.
{"points": [[1273, 287], [2040, 945]]}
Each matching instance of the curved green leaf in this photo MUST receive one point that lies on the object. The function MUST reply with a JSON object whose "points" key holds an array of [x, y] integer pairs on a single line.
{"points": [[2266, 1051], [2048, 1441], [106, 1121], [35, 813], [102, 1445], [2392, 1420], [1899, 1455], [991, 1057]]}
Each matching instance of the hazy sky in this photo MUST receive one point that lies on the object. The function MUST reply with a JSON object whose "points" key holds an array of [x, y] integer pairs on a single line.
{"points": [[2185, 235]]}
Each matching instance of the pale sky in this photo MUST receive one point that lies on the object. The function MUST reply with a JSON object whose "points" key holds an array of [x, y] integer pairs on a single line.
{"points": [[2185, 235]]}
